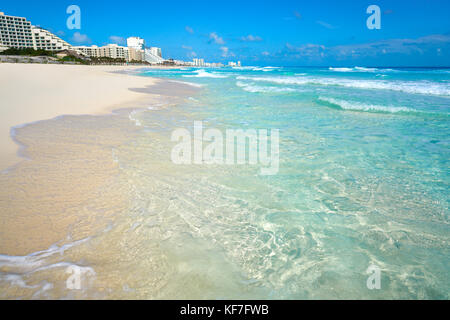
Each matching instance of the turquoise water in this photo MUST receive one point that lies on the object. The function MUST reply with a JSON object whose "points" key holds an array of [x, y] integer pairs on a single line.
{"points": [[363, 179], [363, 182]]}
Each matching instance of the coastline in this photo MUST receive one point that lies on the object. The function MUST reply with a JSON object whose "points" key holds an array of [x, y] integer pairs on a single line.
{"points": [[36, 92], [68, 139]]}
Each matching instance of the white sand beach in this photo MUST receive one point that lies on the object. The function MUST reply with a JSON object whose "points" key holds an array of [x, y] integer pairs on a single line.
{"points": [[34, 92], [68, 162]]}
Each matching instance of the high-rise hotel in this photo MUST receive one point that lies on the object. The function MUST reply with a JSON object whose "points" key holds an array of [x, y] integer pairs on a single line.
{"points": [[17, 32], [134, 51]]}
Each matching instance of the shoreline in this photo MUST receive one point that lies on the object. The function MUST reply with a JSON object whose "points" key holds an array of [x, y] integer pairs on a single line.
{"points": [[33, 92], [60, 164]]}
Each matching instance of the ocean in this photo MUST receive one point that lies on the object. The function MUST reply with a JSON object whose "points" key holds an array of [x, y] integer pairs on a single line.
{"points": [[363, 183]]}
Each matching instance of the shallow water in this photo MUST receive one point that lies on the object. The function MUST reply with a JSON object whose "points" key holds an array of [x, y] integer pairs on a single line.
{"points": [[363, 181]]}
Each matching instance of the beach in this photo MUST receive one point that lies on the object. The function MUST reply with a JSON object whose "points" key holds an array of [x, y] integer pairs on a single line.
{"points": [[34, 92], [66, 170], [362, 181]]}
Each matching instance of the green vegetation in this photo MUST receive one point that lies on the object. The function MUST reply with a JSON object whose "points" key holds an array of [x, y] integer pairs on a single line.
{"points": [[106, 60], [27, 52], [73, 59], [139, 62]]}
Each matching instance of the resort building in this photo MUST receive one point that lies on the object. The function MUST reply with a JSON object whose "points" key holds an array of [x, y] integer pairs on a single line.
{"points": [[17, 32], [156, 51], [113, 51], [138, 51], [91, 52], [136, 43], [136, 54], [45, 40], [153, 56], [199, 62]]}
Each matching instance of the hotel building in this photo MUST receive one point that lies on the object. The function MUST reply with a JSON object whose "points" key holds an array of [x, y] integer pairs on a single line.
{"points": [[45, 40], [113, 51], [17, 32], [135, 51], [199, 62], [136, 43], [139, 52]]}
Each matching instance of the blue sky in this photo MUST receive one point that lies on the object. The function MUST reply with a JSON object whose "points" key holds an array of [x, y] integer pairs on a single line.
{"points": [[299, 33]]}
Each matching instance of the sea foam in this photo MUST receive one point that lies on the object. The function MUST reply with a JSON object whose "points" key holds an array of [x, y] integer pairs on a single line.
{"points": [[262, 89], [413, 87], [358, 106], [204, 74]]}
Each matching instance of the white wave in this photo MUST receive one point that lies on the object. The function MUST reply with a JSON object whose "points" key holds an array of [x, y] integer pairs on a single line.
{"points": [[243, 68], [197, 85], [17, 269], [36, 260], [264, 69], [266, 89], [361, 69], [341, 69], [204, 74], [413, 87], [131, 116], [357, 106]]}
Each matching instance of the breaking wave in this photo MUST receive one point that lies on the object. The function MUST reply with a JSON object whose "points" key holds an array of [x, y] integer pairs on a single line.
{"points": [[204, 74], [358, 106], [413, 87]]}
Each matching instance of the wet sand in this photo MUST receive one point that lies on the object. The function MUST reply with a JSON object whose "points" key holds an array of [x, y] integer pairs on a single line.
{"points": [[34, 92], [66, 184]]}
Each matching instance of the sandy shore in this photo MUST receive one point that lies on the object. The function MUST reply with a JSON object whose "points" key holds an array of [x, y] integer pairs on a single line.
{"points": [[71, 187], [33, 92]]}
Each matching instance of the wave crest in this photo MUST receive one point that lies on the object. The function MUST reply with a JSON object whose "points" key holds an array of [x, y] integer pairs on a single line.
{"points": [[413, 87], [358, 106]]}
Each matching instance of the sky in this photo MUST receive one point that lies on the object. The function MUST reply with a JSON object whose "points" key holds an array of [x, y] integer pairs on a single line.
{"points": [[276, 33]]}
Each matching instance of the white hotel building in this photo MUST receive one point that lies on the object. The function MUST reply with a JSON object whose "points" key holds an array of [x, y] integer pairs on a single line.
{"points": [[17, 32], [135, 51], [113, 51]]}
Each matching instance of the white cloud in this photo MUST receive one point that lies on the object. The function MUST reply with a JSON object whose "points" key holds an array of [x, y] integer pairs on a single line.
{"points": [[189, 29], [251, 38], [214, 37], [430, 43], [80, 38], [226, 52], [325, 24], [117, 40], [265, 53], [186, 47]]}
